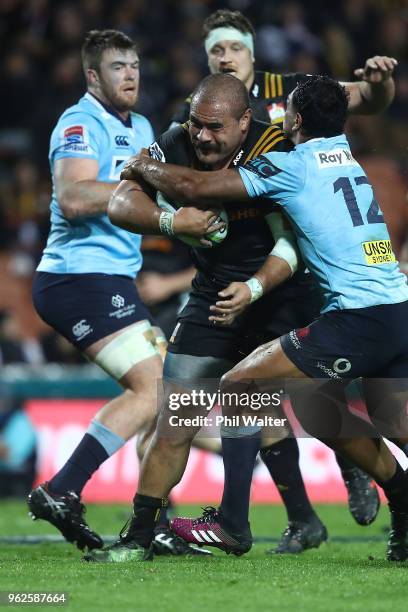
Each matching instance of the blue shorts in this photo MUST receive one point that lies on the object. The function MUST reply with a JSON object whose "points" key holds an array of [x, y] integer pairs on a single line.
{"points": [[87, 307], [345, 344]]}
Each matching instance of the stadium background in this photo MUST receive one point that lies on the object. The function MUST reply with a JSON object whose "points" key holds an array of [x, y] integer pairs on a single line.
{"points": [[41, 76]]}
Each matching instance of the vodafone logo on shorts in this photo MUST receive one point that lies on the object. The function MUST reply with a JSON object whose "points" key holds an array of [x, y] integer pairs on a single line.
{"points": [[342, 365]]}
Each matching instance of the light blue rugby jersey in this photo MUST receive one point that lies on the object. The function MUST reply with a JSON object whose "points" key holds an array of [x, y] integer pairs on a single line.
{"points": [[92, 244], [337, 221]]}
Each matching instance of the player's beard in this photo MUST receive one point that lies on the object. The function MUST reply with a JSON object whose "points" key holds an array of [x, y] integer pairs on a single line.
{"points": [[120, 100], [124, 102]]}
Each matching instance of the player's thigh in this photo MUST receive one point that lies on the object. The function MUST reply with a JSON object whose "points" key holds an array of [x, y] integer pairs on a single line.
{"points": [[104, 318], [268, 361], [131, 355], [195, 335]]}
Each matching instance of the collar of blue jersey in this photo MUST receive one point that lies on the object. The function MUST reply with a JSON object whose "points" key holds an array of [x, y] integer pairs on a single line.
{"points": [[109, 109], [340, 137]]}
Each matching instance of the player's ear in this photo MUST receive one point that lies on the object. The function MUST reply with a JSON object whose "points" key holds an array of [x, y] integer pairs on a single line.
{"points": [[245, 120], [297, 123], [92, 77]]}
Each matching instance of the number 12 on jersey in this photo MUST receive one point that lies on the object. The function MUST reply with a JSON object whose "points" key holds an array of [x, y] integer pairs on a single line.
{"points": [[373, 214]]}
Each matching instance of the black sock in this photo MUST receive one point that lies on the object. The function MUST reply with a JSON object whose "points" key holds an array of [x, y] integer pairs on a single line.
{"points": [[239, 456], [163, 522], [343, 463], [146, 512], [396, 489], [282, 461], [84, 461]]}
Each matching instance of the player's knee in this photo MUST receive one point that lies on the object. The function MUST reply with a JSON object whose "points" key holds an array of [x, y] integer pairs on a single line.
{"points": [[171, 446], [132, 355], [232, 380]]}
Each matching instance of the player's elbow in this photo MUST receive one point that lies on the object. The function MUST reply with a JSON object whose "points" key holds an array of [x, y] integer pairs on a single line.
{"points": [[69, 206], [116, 209]]}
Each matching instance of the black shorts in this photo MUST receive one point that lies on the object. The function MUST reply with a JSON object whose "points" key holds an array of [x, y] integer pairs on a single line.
{"points": [[344, 344], [295, 304], [87, 307]]}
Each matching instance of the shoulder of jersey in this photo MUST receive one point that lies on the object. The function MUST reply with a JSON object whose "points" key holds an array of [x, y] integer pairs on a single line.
{"points": [[140, 118], [170, 143], [262, 139], [88, 111]]}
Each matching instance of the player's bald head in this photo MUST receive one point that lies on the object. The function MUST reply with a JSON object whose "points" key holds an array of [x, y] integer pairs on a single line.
{"points": [[222, 92]]}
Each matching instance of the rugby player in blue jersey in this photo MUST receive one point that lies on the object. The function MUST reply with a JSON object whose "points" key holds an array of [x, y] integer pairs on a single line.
{"points": [[84, 287], [362, 329], [229, 41]]}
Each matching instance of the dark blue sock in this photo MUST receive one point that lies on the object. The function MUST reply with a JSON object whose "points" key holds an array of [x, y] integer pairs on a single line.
{"points": [[84, 461], [282, 461], [239, 456]]}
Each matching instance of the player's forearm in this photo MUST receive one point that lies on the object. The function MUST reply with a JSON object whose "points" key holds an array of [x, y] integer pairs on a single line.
{"points": [[131, 208], [178, 183], [370, 98], [273, 273], [187, 186], [85, 198]]}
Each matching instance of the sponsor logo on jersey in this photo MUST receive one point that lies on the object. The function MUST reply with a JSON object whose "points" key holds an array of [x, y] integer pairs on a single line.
{"points": [[81, 329], [378, 252], [238, 157], [240, 214], [74, 133], [334, 158], [156, 152], [263, 167], [121, 141], [74, 138], [255, 90], [276, 111]]}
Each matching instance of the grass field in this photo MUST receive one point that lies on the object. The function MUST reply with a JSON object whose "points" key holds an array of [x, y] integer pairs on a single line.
{"points": [[349, 573]]}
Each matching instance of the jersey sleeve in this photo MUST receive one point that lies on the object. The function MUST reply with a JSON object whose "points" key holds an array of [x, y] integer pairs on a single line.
{"points": [[273, 175], [77, 135], [148, 132], [170, 147]]}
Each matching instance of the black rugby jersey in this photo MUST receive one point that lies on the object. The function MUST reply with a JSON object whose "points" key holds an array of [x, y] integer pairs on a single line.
{"points": [[267, 96], [249, 240]]}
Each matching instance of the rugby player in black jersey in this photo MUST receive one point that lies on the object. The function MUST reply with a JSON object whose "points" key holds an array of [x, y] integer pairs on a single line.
{"points": [[229, 43], [221, 133]]}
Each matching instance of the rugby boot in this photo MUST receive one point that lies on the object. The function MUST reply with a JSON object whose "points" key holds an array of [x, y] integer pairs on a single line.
{"points": [[66, 513], [363, 498], [207, 529], [299, 536], [125, 549], [397, 547], [167, 543]]}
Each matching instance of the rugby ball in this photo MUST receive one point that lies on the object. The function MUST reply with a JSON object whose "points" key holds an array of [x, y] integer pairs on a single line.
{"points": [[215, 237]]}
